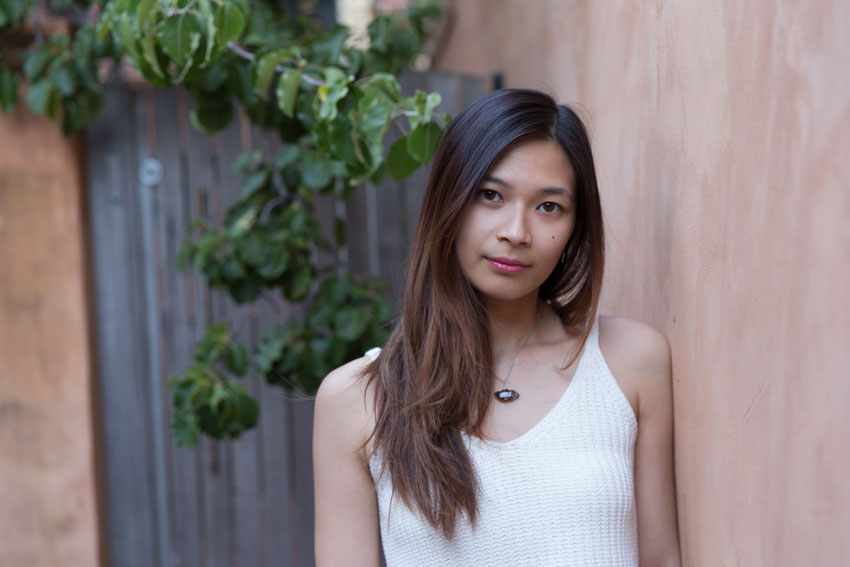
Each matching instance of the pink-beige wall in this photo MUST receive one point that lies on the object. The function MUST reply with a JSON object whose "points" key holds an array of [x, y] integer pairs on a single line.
{"points": [[722, 138], [48, 476]]}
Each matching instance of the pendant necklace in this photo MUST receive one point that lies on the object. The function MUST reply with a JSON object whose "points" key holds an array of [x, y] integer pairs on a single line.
{"points": [[506, 394]]}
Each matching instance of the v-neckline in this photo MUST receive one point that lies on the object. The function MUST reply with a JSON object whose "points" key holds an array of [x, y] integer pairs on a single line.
{"points": [[541, 423]]}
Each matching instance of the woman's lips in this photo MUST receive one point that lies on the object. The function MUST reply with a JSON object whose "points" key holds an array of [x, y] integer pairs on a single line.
{"points": [[507, 265]]}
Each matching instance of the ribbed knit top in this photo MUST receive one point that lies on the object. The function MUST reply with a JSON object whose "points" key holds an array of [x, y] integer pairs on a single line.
{"points": [[560, 494]]}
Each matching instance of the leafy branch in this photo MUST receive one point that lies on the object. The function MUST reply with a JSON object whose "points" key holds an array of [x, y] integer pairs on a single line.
{"points": [[331, 106]]}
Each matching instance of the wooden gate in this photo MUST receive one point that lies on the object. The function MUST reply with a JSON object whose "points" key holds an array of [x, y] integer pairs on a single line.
{"points": [[249, 502]]}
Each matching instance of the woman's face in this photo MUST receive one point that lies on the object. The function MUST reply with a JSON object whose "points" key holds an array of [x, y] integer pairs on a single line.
{"points": [[513, 233]]}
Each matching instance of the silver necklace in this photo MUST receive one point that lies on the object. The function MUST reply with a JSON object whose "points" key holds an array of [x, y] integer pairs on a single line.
{"points": [[506, 394]]}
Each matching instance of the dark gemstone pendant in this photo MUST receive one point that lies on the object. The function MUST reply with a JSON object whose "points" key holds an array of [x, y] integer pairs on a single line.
{"points": [[506, 395]]}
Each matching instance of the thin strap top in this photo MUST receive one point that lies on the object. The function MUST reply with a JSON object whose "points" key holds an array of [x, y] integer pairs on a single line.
{"points": [[562, 493]]}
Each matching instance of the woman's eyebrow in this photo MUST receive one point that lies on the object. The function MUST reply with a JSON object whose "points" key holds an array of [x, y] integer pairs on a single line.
{"points": [[546, 190]]}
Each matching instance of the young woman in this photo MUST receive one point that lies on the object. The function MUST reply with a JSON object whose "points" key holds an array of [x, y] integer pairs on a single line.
{"points": [[504, 422]]}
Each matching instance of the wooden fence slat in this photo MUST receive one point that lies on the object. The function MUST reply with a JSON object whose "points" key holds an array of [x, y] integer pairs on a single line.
{"points": [[245, 491], [122, 355], [179, 329], [273, 441], [193, 504], [219, 468], [152, 281]]}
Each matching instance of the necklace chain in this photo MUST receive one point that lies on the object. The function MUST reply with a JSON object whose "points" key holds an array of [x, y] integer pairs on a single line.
{"points": [[516, 354]]}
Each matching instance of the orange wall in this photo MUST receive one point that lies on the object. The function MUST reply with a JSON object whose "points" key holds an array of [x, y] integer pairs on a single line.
{"points": [[48, 515], [722, 138]]}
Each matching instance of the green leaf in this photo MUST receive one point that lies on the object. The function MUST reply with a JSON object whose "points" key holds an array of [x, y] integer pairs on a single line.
{"points": [[241, 217], [148, 50], [106, 22], [432, 101], [330, 93], [143, 11], [175, 37], [299, 282], [251, 247], [212, 117], [375, 118], [36, 62], [285, 156], [287, 90], [255, 181], [8, 88], [184, 425], [212, 79], [236, 359], [208, 18], [330, 48], [275, 263], [245, 290], [245, 409], [229, 22], [349, 323], [39, 95], [247, 160], [387, 84], [321, 313], [423, 141], [194, 43], [379, 33], [266, 67], [64, 80], [316, 175], [72, 118], [211, 345], [125, 35], [400, 164], [270, 349]]}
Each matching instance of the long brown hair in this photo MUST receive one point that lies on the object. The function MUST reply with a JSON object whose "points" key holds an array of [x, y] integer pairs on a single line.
{"points": [[433, 378]]}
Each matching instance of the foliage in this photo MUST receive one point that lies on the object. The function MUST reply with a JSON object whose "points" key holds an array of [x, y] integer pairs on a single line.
{"points": [[204, 399], [331, 105]]}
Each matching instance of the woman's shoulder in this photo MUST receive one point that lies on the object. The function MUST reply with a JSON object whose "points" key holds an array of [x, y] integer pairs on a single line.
{"points": [[638, 356], [345, 404], [638, 341], [344, 379]]}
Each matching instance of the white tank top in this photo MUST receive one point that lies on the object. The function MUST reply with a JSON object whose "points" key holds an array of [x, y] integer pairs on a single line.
{"points": [[560, 494]]}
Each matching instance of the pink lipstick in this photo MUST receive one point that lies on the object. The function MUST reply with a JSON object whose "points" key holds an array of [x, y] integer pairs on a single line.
{"points": [[507, 265]]}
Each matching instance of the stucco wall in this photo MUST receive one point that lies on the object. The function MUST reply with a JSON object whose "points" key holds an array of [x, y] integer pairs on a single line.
{"points": [[48, 504], [722, 139]]}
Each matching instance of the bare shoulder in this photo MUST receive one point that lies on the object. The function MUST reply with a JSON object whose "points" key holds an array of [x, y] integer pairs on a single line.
{"points": [[344, 405], [344, 380], [638, 356], [637, 342]]}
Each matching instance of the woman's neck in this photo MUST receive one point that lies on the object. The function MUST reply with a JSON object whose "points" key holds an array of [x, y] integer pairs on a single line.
{"points": [[510, 322]]}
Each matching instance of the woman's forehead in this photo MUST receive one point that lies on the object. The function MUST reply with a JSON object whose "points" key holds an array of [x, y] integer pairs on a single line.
{"points": [[542, 163]]}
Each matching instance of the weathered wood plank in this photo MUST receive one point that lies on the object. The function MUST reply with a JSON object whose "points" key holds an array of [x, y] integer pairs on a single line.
{"points": [[276, 519], [122, 338], [246, 491], [182, 309], [219, 465], [151, 225]]}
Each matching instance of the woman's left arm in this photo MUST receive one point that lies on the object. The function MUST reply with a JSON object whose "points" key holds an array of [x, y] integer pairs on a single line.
{"points": [[655, 484]]}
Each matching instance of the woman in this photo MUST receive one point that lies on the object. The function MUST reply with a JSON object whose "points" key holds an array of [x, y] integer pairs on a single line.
{"points": [[504, 422]]}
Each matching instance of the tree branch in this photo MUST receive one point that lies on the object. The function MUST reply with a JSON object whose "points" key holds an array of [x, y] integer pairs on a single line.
{"points": [[245, 54], [180, 11]]}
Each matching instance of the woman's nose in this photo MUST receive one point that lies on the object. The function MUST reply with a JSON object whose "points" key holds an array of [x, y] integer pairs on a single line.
{"points": [[515, 229]]}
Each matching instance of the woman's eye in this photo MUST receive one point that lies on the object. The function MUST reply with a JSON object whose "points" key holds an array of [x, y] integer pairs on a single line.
{"points": [[550, 207], [489, 195]]}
